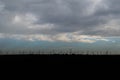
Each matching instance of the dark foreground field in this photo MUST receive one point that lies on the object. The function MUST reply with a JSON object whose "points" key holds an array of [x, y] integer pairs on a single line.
{"points": [[58, 59]]}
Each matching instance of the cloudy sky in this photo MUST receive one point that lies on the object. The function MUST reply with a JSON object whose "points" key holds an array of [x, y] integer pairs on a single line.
{"points": [[70, 21]]}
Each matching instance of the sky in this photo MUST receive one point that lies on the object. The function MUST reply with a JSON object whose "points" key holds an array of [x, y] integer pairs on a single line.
{"points": [[73, 22]]}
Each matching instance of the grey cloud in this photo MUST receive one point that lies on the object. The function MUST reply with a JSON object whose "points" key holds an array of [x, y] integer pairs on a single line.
{"points": [[65, 15]]}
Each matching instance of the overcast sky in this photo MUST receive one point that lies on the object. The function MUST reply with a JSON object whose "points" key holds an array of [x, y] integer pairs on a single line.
{"points": [[60, 20]]}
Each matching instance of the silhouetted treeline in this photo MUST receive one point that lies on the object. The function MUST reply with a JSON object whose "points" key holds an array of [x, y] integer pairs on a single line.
{"points": [[54, 51]]}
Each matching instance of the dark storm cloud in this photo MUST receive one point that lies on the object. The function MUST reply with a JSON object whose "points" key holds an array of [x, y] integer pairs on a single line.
{"points": [[88, 16]]}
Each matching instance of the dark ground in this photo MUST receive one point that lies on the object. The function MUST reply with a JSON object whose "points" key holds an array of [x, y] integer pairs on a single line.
{"points": [[62, 59]]}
